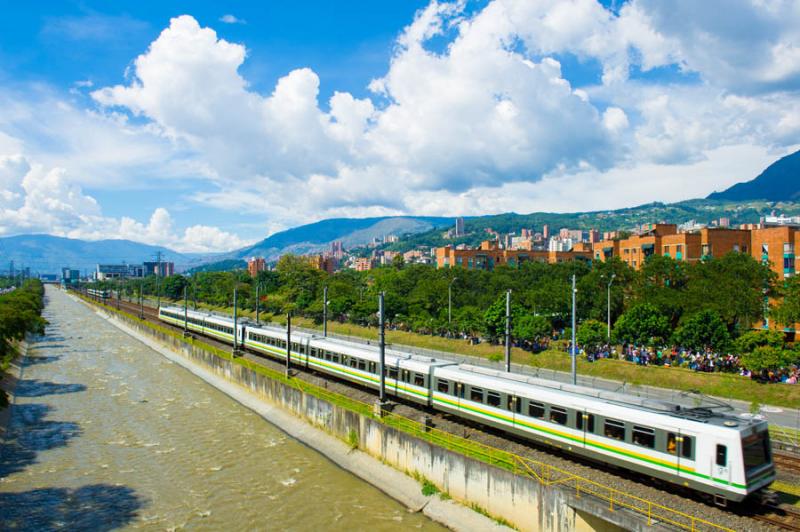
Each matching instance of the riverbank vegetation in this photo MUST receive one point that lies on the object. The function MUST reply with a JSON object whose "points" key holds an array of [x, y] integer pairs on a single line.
{"points": [[20, 314]]}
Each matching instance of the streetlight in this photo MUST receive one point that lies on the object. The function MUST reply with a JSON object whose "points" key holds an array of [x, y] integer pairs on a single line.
{"points": [[574, 352], [450, 301], [610, 282]]}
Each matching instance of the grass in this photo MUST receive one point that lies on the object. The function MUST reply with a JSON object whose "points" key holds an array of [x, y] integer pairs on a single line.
{"points": [[787, 492], [723, 385]]}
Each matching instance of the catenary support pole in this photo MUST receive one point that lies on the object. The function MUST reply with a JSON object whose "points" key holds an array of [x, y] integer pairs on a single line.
{"points": [[325, 311], [573, 347], [508, 331], [258, 303], [141, 300], [288, 344], [608, 324], [382, 347], [450, 302], [235, 319], [185, 309]]}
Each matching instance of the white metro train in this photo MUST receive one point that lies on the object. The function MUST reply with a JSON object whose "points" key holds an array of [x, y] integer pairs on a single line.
{"points": [[719, 454]]}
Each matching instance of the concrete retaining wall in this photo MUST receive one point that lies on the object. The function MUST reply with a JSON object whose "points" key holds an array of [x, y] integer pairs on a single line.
{"points": [[520, 501]]}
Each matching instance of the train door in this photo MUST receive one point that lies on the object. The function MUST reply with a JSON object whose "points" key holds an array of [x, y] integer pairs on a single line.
{"points": [[515, 407], [720, 467], [243, 336]]}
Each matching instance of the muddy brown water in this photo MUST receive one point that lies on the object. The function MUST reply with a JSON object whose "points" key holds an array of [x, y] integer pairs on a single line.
{"points": [[105, 433]]}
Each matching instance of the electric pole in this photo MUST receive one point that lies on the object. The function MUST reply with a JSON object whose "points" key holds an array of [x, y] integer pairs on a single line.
{"points": [[574, 353], [450, 301], [185, 310], [235, 320], [508, 331], [325, 311], [258, 287], [382, 349], [288, 344]]}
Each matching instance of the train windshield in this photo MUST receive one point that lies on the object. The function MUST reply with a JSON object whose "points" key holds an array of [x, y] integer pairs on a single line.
{"points": [[756, 451]]}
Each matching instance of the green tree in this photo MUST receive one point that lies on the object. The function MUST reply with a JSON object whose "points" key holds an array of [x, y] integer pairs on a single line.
{"points": [[494, 319], [643, 324], [734, 285], [788, 311], [751, 340], [591, 335], [530, 328], [701, 330], [767, 357]]}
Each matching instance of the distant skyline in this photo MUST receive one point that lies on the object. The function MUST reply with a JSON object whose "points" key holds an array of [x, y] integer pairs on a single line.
{"points": [[200, 128]]}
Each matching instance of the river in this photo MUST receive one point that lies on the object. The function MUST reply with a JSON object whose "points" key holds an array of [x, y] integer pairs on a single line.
{"points": [[105, 433]]}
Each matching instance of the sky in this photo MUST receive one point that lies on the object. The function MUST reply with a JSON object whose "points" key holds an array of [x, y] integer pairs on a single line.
{"points": [[203, 128]]}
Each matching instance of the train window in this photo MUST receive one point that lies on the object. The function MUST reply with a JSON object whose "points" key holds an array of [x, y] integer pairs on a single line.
{"points": [[476, 394], [579, 417], [334, 357], [536, 410], [362, 365], [558, 415], [443, 386], [493, 398], [419, 379], [672, 446], [644, 437], [722, 455], [353, 362], [405, 376], [514, 404], [614, 429], [686, 447], [393, 373], [373, 368]]}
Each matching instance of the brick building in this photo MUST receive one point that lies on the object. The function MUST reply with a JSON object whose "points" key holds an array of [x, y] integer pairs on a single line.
{"points": [[490, 255], [255, 265], [665, 240]]}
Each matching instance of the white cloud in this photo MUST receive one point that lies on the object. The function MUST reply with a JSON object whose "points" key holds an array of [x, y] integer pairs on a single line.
{"points": [[40, 200], [231, 19]]}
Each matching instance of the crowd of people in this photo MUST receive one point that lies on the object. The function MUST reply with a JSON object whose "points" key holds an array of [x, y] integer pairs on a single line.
{"points": [[705, 361]]}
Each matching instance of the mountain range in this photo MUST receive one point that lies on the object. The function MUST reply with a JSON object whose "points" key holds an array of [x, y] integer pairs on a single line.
{"points": [[777, 187], [779, 182]]}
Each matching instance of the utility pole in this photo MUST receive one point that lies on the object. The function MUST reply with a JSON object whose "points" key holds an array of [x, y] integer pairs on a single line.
{"points": [[141, 300], [450, 301], [235, 320], [508, 330], [288, 344], [117, 297], [158, 276], [258, 287], [574, 354], [185, 310], [610, 281], [325, 311], [382, 349]]}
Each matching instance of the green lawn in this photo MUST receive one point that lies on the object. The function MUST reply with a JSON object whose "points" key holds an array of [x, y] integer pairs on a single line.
{"points": [[722, 385]]}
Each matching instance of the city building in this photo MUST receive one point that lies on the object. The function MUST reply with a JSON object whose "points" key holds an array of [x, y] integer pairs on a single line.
{"points": [[325, 263], [460, 227], [105, 272], [337, 249], [70, 277], [362, 264], [255, 265], [666, 240], [162, 269], [490, 255]]}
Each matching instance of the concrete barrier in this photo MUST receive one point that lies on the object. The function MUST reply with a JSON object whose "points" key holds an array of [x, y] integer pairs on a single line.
{"points": [[519, 501]]}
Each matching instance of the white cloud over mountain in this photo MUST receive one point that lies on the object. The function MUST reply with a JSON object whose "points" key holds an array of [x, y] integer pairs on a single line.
{"points": [[474, 114]]}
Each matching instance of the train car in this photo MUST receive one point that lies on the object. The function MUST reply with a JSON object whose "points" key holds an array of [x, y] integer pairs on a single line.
{"points": [[98, 294], [407, 375], [724, 456]]}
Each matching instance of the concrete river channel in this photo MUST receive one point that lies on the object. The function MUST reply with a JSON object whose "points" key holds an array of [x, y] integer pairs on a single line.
{"points": [[105, 433]]}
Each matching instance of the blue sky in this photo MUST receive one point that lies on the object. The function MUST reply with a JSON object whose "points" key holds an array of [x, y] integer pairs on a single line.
{"points": [[203, 128]]}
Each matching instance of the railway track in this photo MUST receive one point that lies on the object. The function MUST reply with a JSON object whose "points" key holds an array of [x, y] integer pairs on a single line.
{"points": [[781, 518], [784, 518], [786, 461]]}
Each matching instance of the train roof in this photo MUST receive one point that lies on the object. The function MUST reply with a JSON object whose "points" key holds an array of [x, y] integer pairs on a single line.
{"points": [[713, 414]]}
